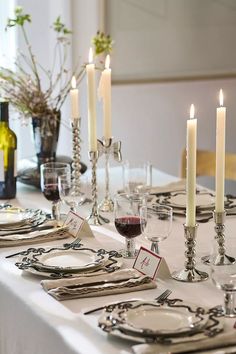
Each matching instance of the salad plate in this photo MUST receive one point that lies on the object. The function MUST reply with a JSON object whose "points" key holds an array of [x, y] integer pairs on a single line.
{"points": [[152, 319], [107, 268], [16, 218], [62, 262], [69, 260], [158, 322], [204, 200]]}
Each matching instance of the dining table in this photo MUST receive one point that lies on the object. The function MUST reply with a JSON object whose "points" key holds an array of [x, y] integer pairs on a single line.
{"points": [[33, 322]]}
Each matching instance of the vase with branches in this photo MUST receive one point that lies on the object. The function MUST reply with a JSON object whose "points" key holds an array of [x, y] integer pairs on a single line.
{"points": [[38, 93]]}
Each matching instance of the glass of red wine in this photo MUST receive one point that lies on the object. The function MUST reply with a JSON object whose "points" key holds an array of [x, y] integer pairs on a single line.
{"points": [[49, 173], [128, 220]]}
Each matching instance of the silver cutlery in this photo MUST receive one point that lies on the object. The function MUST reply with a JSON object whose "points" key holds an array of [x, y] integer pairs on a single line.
{"points": [[159, 298]]}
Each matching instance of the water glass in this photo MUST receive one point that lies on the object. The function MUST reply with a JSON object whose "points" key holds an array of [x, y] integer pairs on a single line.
{"points": [[137, 177], [157, 224], [224, 278], [69, 192]]}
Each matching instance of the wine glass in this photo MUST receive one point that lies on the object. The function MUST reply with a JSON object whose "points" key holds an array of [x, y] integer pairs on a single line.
{"points": [[137, 178], [49, 173], [224, 278], [127, 219], [156, 224], [69, 192]]}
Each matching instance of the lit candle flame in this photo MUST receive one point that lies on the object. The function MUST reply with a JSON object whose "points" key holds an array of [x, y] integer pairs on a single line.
{"points": [[107, 61], [90, 59], [73, 82], [192, 111], [221, 97]]}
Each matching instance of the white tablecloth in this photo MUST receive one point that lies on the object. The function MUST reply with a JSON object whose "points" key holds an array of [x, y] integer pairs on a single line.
{"points": [[32, 322]]}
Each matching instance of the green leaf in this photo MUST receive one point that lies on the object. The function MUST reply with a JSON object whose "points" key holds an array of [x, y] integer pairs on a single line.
{"points": [[102, 43]]}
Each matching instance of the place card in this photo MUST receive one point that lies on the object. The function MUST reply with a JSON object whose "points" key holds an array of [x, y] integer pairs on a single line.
{"points": [[151, 264], [77, 226]]}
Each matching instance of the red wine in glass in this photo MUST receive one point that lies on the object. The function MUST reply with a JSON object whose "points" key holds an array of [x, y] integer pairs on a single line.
{"points": [[128, 226], [51, 192]]}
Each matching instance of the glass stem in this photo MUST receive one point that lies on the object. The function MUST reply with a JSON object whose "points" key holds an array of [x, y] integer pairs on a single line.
{"points": [[155, 247], [130, 247], [73, 208], [230, 310], [56, 211]]}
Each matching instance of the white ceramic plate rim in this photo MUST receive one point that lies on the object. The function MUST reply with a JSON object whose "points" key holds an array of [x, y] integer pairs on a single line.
{"points": [[52, 275], [97, 261], [190, 321], [200, 204], [18, 214]]}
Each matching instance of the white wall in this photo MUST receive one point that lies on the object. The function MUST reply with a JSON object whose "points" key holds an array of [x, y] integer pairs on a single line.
{"points": [[150, 119]]}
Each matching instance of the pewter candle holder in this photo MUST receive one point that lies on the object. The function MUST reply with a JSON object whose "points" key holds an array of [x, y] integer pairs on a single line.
{"points": [[221, 258], [190, 273], [94, 218], [108, 148], [76, 166]]}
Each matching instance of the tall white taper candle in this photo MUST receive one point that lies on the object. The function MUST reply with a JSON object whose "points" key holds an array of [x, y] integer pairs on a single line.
{"points": [[74, 96], [191, 169], [92, 120], [104, 92], [220, 154]]}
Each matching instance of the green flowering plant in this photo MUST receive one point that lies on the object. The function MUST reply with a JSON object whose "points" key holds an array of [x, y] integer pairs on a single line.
{"points": [[23, 87]]}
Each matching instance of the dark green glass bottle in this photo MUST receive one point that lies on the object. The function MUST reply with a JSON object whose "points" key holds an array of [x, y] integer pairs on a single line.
{"points": [[8, 147]]}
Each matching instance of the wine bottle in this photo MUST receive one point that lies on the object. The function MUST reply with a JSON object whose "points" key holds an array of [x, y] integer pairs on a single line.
{"points": [[8, 148]]}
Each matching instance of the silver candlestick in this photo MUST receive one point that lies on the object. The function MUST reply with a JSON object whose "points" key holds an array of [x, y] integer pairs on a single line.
{"points": [[94, 218], [190, 273], [220, 258], [76, 166], [108, 148]]}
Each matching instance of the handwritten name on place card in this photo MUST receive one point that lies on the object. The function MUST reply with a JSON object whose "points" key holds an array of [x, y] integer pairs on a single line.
{"points": [[77, 225], [151, 264]]}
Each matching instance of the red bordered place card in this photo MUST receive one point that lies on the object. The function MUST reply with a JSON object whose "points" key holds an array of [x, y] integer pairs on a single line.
{"points": [[77, 226], [151, 264]]}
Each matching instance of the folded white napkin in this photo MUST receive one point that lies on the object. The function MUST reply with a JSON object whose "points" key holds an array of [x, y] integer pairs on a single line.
{"points": [[223, 339], [170, 187], [121, 281], [34, 237]]}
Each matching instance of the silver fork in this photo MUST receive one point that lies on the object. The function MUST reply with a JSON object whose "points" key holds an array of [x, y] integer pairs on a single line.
{"points": [[164, 295], [159, 298], [73, 243]]}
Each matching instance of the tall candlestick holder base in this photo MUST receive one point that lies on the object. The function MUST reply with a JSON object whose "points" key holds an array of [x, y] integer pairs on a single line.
{"points": [[221, 258], [108, 148], [190, 273], [95, 218]]}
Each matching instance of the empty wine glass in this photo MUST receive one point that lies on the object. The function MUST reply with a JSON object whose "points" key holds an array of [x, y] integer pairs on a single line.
{"points": [[137, 178], [224, 278], [69, 192], [156, 224], [127, 219], [49, 173]]}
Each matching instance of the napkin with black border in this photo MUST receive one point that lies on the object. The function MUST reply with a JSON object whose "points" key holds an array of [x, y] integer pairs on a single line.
{"points": [[120, 281]]}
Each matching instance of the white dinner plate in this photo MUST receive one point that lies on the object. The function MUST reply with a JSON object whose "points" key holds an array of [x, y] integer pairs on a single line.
{"points": [[204, 200], [150, 320], [70, 260], [86, 273], [14, 217], [160, 320]]}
